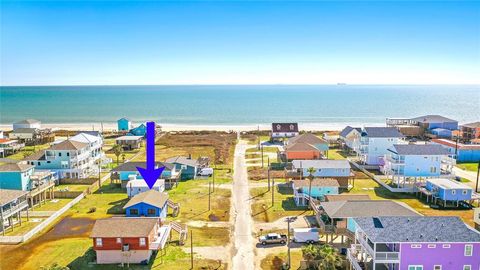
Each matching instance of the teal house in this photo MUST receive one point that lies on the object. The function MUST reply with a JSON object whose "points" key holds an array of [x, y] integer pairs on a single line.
{"points": [[319, 188], [124, 124], [148, 204], [16, 176], [141, 130], [189, 167], [125, 171]]}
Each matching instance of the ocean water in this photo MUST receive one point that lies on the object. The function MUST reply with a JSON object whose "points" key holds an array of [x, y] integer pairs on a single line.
{"points": [[238, 105]]}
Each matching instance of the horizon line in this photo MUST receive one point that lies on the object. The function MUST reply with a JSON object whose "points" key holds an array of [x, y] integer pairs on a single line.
{"points": [[254, 84]]}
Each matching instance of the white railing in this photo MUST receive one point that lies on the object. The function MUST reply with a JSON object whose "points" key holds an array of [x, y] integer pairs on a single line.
{"points": [[352, 257], [387, 256], [366, 245], [15, 209]]}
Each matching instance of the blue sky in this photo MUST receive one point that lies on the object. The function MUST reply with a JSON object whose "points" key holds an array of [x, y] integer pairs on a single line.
{"points": [[77, 43]]}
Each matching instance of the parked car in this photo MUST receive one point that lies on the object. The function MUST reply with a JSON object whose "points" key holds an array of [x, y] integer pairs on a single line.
{"points": [[273, 238], [306, 235], [205, 172]]}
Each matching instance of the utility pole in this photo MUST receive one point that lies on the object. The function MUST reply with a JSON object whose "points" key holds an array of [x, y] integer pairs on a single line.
{"points": [[288, 241], [191, 249], [213, 176], [273, 190], [261, 146], [268, 173], [258, 137], [209, 194], [99, 172], [456, 147]]}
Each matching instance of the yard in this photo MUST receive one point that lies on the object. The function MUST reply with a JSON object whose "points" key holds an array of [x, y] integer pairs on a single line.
{"points": [[473, 166], [276, 261], [283, 206]]}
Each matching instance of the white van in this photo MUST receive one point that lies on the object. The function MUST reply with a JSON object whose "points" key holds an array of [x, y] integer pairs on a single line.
{"points": [[306, 235], [205, 172]]}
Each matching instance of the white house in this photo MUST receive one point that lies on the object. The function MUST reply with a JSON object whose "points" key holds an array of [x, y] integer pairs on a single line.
{"points": [[284, 130], [136, 186], [375, 142], [27, 123], [406, 163], [350, 137]]}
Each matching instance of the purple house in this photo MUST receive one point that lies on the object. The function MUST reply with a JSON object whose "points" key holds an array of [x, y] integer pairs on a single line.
{"points": [[414, 243]]}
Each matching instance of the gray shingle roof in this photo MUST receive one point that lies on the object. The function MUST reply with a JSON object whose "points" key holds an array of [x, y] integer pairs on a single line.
{"points": [[132, 166], [472, 125], [432, 118], [344, 133], [25, 130], [382, 132], [322, 164], [417, 229], [307, 138], [124, 227], [68, 145], [419, 149], [151, 197], [317, 182], [183, 160], [15, 167], [28, 121], [300, 146], [366, 208], [8, 195]]}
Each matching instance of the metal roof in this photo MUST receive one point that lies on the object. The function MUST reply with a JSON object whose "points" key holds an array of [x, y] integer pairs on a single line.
{"points": [[432, 118], [366, 208]]}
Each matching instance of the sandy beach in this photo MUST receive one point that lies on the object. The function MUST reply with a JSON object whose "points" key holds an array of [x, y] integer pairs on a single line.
{"points": [[183, 127]]}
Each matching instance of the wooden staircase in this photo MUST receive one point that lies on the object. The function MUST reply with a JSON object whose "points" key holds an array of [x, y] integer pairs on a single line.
{"points": [[175, 207], [181, 229]]}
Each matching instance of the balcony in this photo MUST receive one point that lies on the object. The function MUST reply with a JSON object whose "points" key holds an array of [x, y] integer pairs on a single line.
{"points": [[395, 160], [366, 245], [14, 209], [161, 238], [389, 256], [352, 256]]}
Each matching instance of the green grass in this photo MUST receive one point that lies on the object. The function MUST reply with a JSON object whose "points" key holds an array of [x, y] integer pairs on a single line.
{"points": [[337, 154], [52, 206], [284, 205], [71, 187], [25, 227], [28, 150], [266, 149], [468, 166]]}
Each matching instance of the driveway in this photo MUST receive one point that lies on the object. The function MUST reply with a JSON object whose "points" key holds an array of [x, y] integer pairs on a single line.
{"points": [[243, 250]]}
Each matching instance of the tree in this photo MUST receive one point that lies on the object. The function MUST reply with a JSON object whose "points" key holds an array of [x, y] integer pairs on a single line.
{"points": [[310, 171], [323, 257], [117, 150]]}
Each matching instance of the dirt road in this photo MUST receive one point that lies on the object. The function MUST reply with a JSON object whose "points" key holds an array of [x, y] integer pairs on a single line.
{"points": [[243, 257]]}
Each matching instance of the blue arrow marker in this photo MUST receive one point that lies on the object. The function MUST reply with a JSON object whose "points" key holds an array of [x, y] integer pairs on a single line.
{"points": [[150, 174]]}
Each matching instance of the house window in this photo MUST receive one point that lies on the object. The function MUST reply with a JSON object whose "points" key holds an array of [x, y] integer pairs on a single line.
{"points": [[468, 250], [59, 154], [48, 161], [437, 267], [119, 240], [416, 246], [467, 267], [454, 192], [134, 212], [415, 267], [464, 192], [432, 246], [446, 246], [68, 154], [98, 242], [151, 211], [39, 163], [142, 241]]}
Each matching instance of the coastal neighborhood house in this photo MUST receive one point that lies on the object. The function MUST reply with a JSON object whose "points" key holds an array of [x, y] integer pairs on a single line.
{"points": [[448, 191], [128, 171], [337, 216], [138, 186], [407, 163], [189, 167], [470, 131], [124, 124], [432, 125], [148, 204], [284, 130], [130, 142], [12, 204], [460, 151], [350, 138], [375, 142], [128, 240], [319, 143], [303, 190], [300, 150], [324, 168], [27, 123], [141, 130], [32, 136], [76, 157], [9, 147], [414, 243], [25, 177]]}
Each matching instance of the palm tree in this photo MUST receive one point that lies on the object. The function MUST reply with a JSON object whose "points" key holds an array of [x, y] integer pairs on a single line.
{"points": [[310, 171], [117, 150], [330, 259]]}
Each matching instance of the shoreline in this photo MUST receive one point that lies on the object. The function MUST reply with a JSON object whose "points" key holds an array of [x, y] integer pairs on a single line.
{"points": [[190, 127]]}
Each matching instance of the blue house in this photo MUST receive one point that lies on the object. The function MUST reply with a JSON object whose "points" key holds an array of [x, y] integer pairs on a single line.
{"points": [[447, 190], [407, 163], [141, 130], [461, 152], [319, 188], [124, 172], [124, 124], [437, 125], [189, 167], [16, 176], [148, 204]]}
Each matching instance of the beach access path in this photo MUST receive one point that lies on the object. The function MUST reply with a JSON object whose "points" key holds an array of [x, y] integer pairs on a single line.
{"points": [[243, 249]]}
